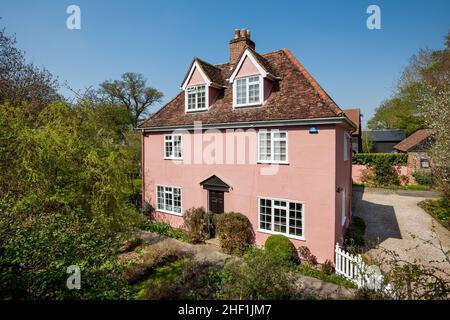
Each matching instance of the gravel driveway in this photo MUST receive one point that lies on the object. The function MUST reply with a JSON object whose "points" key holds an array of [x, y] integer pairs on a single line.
{"points": [[393, 220]]}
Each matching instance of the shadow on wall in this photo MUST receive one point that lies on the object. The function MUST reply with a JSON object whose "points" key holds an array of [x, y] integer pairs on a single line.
{"points": [[381, 221]]}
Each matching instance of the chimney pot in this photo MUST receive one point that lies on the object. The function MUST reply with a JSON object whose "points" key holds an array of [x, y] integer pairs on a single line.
{"points": [[238, 44]]}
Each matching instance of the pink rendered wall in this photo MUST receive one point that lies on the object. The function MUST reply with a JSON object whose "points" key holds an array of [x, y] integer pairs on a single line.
{"points": [[213, 95], [268, 84], [196, 78], [309, 177], [343, 180], [247, 69]]}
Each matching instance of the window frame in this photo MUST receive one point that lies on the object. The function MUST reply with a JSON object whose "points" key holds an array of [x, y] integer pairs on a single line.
{"points": [[302, 237], [343, 207], [186, 98], [247, 91], [272, 149], [422, 161], [346, 144], [173, 200], [173, 157]]}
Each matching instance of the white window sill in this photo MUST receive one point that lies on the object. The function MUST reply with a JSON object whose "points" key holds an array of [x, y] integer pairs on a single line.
{"points": [[169, 212], [284, 234], [272, 162], [196, 110], [165, 158], [255, 104]]}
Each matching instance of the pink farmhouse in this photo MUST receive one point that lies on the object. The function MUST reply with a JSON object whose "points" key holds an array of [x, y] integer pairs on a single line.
{"points": [[256, 135]]}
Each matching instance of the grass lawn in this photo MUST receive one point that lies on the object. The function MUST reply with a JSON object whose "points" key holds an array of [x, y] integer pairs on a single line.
{"points": [[438, 209], [412, 187]]}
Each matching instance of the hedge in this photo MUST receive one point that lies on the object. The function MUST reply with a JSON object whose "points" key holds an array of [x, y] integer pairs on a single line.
{"points": [[396, 159], [280, 248]]}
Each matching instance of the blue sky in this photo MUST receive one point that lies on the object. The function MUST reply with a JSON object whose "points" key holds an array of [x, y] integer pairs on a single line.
{"points": [[358, 67]]}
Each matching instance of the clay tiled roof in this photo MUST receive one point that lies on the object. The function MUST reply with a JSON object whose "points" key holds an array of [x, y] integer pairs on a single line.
{"points": [[413, 140], [296, 96]]}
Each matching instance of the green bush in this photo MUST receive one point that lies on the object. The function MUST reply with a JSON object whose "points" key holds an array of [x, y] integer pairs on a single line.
{"points": [[65, 190], [279, 247], [321, 275], [258, 278], [355, 233], [234, 231], [396, 159], [185, 279], [384, 172], [164, 229], [196, 224], [327, 267], [153, 257], [423, 178]]}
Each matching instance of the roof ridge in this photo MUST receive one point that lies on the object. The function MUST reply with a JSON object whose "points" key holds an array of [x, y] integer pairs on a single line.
{"points": [[206, 62], [313, 82]]}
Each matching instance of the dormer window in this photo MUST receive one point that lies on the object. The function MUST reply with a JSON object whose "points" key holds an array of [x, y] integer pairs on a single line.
{"points": [[196, 98], [247, 91]]}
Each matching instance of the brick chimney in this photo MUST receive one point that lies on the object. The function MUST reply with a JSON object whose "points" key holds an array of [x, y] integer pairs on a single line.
{"points": [[240, 41]]}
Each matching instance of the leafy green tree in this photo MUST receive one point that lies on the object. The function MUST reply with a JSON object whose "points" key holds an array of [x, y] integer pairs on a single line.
{"points": [[436, 106], [132, 93], [403, 110], [65, 195]]}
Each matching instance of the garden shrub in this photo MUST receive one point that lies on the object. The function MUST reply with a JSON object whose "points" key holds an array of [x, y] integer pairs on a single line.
{"points": [[396, 159], [327, 267], [279, 247], [306, 256], [258, 278], [354, 235], [234, 231], [153, 257], [164, 229], [318, 274], [183, 279], [423, 178], [131, 244], [196, 225], [384, 171]]}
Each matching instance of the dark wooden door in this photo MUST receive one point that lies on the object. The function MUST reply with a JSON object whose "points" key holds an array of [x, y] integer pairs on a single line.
{"points": [[215, 201]]}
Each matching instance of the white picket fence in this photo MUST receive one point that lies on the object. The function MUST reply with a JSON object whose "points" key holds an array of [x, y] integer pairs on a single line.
{"points": [[353, 268]]}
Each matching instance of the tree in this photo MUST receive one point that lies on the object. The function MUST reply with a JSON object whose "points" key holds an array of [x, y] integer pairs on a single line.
{"points": [[367, 142], [132, 93], [402, 110], [21, 81], [65, 192], [436, 106]]}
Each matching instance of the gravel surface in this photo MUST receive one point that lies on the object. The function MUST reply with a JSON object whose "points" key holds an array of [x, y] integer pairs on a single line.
{"points": [[397, 223]]}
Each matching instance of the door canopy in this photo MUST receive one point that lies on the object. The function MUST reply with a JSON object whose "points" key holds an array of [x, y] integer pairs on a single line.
{"points": [[215, 183]]}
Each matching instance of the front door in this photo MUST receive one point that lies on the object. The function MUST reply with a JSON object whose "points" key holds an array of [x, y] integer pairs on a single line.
{"points": [[215, 201]]}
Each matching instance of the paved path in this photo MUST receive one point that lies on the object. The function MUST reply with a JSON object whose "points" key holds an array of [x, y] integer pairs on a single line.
{"points": [[395, 221]]}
